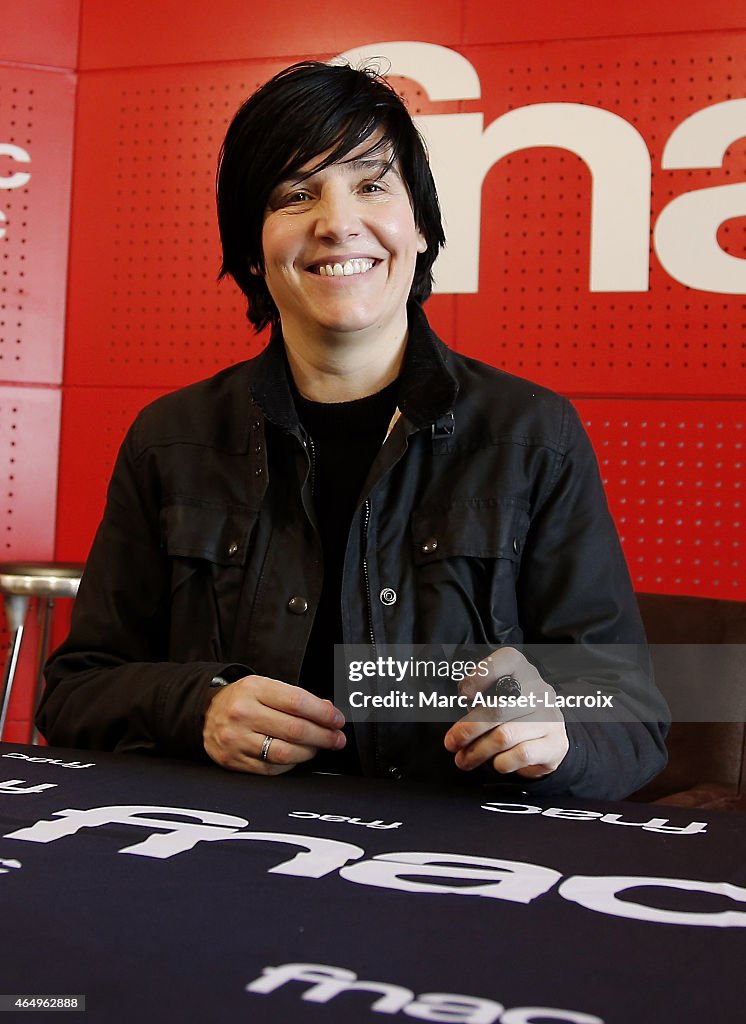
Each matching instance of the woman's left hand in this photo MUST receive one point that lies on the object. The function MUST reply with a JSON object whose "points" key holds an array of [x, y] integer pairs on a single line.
{"points": [[531, 741]]}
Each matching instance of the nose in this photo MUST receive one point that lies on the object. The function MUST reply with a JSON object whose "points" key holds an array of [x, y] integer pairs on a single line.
{"points": [[336, 215]]}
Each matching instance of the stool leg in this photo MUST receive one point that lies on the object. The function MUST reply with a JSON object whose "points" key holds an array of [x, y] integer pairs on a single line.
{"points": [[16, 606], [46, 611]]}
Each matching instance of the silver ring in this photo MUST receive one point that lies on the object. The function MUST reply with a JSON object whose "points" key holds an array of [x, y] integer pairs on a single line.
{"points": [[265, 748], [507, 686]]}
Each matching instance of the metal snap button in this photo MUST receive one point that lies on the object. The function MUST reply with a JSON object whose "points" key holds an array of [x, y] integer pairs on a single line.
{"points": [[429, 546], [232, 549], [516, 546], [388, 596], [394, 773], [298, 605]]}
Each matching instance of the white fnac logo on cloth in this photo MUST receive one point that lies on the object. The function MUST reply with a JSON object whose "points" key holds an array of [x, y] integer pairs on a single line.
{"points": [[439, 874], [18, 786], [344, 818], [463, 150], [324, 983], [50, 760], [660, 825]]}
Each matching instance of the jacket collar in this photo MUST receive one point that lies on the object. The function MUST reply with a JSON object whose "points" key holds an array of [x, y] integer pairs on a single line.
{"points": [[427, 386]]}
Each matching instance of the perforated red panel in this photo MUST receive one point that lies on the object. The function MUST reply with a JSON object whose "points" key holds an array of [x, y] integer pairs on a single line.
{"points": [[674, 473], [94, 422], [141, 32], [534, 313], [36, 140], [577, 19], [29, 438], [144, 306]]}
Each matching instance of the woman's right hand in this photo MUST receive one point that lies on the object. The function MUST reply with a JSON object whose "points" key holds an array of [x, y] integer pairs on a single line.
{"points": [[243, 714]]}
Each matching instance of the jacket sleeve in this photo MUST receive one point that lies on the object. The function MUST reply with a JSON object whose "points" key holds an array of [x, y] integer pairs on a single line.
{"points": [[574, 588], [110, 685]]}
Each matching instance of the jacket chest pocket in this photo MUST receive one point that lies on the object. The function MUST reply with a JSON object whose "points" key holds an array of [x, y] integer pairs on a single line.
{"points": [[470, 529], [208, 548], [467, 556]]}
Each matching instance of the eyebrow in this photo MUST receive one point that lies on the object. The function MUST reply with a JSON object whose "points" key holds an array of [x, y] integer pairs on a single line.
{"points": [[362, 163]]}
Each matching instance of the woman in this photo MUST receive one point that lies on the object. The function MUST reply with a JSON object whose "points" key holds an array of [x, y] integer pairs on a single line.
{"points": [[356, 483]]}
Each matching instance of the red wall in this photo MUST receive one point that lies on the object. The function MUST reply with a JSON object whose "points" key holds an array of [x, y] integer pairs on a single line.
{"points": [[657, 372], [38, 56]]}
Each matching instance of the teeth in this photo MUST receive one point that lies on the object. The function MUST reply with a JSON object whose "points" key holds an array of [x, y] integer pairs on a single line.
{"points": [[347, 269]]}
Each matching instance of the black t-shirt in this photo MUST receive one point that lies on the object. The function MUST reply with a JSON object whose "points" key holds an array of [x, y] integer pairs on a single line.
{"points": [[345, 437]]}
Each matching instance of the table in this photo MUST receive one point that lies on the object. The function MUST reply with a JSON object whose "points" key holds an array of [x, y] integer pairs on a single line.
{"points": [[166, 891]]}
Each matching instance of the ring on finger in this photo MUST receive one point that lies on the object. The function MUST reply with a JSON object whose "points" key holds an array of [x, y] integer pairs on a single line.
{"points": [[264, 755], [507, 686]]}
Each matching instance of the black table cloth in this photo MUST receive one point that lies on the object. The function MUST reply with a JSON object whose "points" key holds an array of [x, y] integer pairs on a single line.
{"points": [[166, 891]]}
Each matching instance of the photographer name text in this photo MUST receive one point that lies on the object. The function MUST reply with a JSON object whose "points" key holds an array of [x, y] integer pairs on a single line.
{"points": [[526, 701]]}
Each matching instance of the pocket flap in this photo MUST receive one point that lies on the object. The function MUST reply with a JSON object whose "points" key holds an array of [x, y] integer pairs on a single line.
{"points": [[214, 533], [476, 528]]}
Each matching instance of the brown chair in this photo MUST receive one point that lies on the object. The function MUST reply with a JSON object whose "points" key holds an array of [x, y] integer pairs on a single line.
{"points": [[707, 760]]}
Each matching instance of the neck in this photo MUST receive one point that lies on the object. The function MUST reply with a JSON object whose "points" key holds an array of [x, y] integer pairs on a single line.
{"points": [[343, 369]]}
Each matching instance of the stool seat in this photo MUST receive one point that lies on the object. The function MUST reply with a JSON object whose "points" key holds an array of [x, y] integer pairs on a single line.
{"points": [[20, 582], [40, 579]]}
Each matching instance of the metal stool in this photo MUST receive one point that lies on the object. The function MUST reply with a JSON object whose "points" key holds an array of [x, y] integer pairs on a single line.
{"points": [[19, 582]]}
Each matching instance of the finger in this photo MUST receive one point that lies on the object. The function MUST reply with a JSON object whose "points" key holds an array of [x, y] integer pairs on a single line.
{"points": [[535, 758], [481, 720], [468, 729], [505, 661], [277, 753], [298, 703], [526, 752], [250, 706], [244, 753], [299, 732], [294, 740], [236, 723], [500, 741]]}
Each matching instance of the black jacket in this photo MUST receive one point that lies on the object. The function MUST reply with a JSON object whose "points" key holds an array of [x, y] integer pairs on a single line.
{"points": [[208, 537]]}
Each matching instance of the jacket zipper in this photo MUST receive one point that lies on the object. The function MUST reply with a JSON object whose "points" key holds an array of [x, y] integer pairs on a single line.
{"points": [[366, 575], [371, 633], [312, 459]]}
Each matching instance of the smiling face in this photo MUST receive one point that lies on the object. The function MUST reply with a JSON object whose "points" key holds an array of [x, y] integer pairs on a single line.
{"points": [[340, 246]]}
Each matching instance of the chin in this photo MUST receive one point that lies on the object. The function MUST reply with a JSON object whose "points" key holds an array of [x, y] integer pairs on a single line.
{"points": [[349, 323]]}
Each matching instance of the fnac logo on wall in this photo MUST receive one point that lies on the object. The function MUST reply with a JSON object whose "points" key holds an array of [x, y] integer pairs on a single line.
{"points": [[16, 179], [462, 151]]}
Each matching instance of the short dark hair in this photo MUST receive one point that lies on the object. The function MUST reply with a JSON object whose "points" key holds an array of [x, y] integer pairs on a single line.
{"points": [[306, 110]]}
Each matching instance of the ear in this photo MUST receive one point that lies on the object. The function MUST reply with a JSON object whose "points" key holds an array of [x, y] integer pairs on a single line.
{"points": [[421, 242]]}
